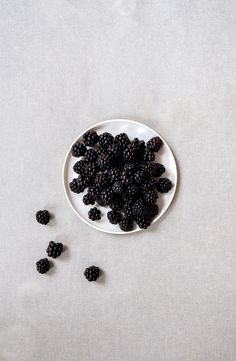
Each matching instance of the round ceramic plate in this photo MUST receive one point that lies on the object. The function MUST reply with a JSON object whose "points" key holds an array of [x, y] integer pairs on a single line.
{"points": [[133, 129]]}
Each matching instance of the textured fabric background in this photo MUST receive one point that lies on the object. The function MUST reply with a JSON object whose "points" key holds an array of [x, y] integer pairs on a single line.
{"points": [[167, 294]]}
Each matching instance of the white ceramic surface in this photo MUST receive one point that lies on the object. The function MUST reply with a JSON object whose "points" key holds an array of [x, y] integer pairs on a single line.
{"points": [[133, 129]]}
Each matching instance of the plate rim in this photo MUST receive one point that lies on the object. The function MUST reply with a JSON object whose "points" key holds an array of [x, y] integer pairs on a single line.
{"points": [[65, 187]]}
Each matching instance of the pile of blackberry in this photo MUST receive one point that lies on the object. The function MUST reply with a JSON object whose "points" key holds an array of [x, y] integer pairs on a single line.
{"points": [[119, 173]]}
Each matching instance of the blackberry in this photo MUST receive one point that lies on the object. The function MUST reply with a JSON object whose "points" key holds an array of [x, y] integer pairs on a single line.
{"points": [[122, 139], [148, 184], [105, 161], [118, 187], [148, 156], [113, 174], [94, 214], [129, 168], [147, 168], [126, 179], [143, 221], [116, 203], [157, 169], [132, 189], [128, 210], [42, 217], [77, 185], [150, 196], [153, 210], [106, 195], [43, 265], [90, 170], [92, 273], [92, 192], [139, 176], [78, 149], [115, 150], [100, 181], [90, 138], [80, 166], [126, 224], [91, 155], [154, 144], [114, 217], [88, 199], [54, 250], [164, 185], [105, 139], [130, 154], [139, 208]]}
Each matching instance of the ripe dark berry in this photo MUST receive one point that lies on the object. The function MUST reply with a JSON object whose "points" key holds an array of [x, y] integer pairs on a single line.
{"points": [[105, 139], [43, 217], [152, 210], [132, 189], [113, 174], [105, 161], [80, 166], [129, 169], [90, 138], [126, 224], [130, 154], [92, 273], [94, 214], [77, 185], [114, 217], [90, 170], [116, 203], [150, 196], [93, 192], [54, 250], [106, 195], [157, 169], [118, 187], [148, 156], [143, 221], [148, 184], [101, 181], [128, 210], [88, 199], [78, 149], [139, 208], [122, 139], [140, 176], [43, 265], [154, 144], [115, 150], [164, 185], [91, 155]]}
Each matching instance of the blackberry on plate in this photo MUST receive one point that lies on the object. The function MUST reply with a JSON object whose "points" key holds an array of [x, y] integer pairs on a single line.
{"points": [[126, 179], [153, 210], [122, 139], [130, 154], [132, 189], [115, 150], [126, 224], [93, 192], [92, 273], [164, 185], [54, 250], [88, 199], [80, 166], [118, 187], [43, 265], [77, 185], [78, 149], [114, 217], [148, 184], [105, 161], [139, 208], [42, 217], [90, 170], [129, 168], [101, 180], [105, 139], [90, 138], [116, 203], [113, 174], [157, 169], [143, 221], [94, 214], [91, 155], [106, 195], [148, 155], [128, 210], [139, 176], [150, 196], [154, 144]]}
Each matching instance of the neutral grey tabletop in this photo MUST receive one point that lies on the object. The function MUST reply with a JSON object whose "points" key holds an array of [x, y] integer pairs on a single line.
{"points": [[167, 294]]}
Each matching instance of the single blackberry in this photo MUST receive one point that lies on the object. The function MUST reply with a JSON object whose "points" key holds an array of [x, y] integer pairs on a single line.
{"points": [[92, 273], [148, 156], [77, 185], [128, 210], [42, 217], [126, 224], [88, 199], [122, 139], [100, 181], [91, 155], [54, 250], [127, 198], [135, 142], [154, 144], [94, 214], [115, 150], [118, 187], [105, 161], [140, 176], [129, 168], [105, 139], [132, 189], [113, 174], [116, 203], [93, 192], [139, 208], [164, 185], [143, 221], [148, 184], [157, 169], [126, 179], [106, 195], [114, 217], [90, 170], [80, 166], [150, 196], [152, 210], [90, 138], [78, 149], [43, 265], [147, 168], [130, 154]]}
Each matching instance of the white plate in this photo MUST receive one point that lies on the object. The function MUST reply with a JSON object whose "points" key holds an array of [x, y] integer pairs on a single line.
{"points": [[133, 129]]}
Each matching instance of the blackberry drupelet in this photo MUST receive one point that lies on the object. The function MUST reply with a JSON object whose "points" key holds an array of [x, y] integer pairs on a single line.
{"points": [[118, 187], [164, 185], [54, 250], [94, 214], [148, 156], [92, 273], [150, 196], [78, 149], [105, 139], [80, 166], [122, 139], [126, 224], [77, 185], [42, 217], [114, 217], [154, 144], [91, 155], [88, 199], [143, 221], [90, 138], [43, 265], [157, 169]]}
